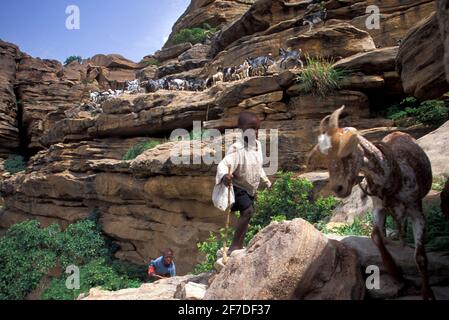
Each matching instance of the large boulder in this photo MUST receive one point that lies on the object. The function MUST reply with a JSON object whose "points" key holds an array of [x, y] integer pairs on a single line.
{"points": [[290, 260], [368, 255], [436, 146], [177, 288], [420, 61]]}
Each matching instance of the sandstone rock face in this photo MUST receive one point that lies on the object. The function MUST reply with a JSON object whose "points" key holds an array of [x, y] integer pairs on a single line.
{"points": [[146, 205], [9, 132], [301, 264], [443, 19], [436, 146], [420, 61]]}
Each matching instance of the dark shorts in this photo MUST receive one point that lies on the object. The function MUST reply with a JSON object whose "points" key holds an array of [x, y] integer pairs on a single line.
{"points": [[243, 200]]}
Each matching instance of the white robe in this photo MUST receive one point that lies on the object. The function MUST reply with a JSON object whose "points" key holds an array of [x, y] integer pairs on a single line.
{"points": [[246, 166]]}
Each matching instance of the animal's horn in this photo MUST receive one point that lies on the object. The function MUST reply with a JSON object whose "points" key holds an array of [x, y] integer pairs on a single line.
{"points": [[334, 118], [323, 126]]}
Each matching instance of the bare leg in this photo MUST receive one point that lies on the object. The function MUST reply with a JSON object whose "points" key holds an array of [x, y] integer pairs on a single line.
{"points": [[418, 223], [240, 230]]}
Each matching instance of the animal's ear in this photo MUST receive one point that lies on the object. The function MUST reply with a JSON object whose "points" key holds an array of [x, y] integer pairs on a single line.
{"points": [[348, 143], [316, 159]]}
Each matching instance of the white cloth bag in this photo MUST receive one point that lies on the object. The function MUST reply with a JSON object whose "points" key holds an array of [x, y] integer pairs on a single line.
{"points": [[220, 196]]}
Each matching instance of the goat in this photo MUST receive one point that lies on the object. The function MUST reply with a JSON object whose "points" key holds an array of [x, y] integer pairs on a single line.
{"points": [[218, 77], [259, 66], [133, 86], [290, 55], [242, 71], [315, 18], [228, 73], [398, 175]]}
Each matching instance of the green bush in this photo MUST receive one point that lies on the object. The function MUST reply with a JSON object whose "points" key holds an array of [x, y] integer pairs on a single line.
{"points": [[28, 252], [411, 112], [15, 164], [319, 77], [140, 148], [194, 35], [437, 229], [292, 197], [153, 62], [439, 182], [288, 198], [70, 59], [97, 273]]}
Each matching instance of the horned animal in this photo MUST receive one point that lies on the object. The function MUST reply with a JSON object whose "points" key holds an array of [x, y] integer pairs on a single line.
{"points": [[398, 176], [315, 18], [287, 56]]}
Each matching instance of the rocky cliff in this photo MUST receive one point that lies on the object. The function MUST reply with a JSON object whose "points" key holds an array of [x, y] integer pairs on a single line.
{"points": [[75, 154]]}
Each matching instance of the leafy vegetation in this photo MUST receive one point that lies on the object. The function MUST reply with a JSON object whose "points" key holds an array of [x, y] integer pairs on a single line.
{"points": [[28, 253], [70, 59], [292, 197], [411, 112], [439, 182], [140, 148], [319, 77], [96, 273], [194, 35], [437, 229], [14, 164], [288, 198], [153, 62]]}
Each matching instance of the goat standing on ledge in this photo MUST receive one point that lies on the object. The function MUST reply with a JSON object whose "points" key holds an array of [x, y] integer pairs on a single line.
{"points": [[398, 175]]}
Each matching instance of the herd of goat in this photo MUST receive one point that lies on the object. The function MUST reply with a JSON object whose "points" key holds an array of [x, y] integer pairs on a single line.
{"points": [[251, 67]]}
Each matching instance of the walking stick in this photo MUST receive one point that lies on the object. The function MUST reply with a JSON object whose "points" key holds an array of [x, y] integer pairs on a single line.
{"points": [[228, 217]]}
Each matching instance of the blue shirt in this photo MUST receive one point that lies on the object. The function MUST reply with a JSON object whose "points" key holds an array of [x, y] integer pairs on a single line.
{"points": [[162, 269]]}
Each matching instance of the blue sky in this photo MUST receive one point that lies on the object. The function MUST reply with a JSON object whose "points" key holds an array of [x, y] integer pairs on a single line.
{"points": [[132, 28]]}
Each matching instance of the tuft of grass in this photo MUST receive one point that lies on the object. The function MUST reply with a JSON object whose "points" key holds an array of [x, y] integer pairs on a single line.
{"points": [[140, 148], [319, 77]]}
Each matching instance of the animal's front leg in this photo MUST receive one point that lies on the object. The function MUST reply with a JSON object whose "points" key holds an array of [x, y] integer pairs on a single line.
{"points": [[418, 223], [380, 215]]}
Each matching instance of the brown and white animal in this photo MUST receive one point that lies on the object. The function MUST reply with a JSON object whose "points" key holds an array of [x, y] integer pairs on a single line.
{"points": [[216, 78], [398, 175]]}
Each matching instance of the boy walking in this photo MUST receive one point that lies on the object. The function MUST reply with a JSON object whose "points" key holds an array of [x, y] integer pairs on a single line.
{"points": [[245, 159]]}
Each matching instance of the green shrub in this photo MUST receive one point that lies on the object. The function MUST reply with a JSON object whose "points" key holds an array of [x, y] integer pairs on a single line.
{"points": [[411, 112], [140, 148], [288, 198], [194, 35], [319, 77], [70, 59], [292, 198], [28, 252], [97, 273], [439, 182], [153, 62], [15, 164], [437, 229]]}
